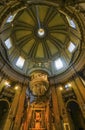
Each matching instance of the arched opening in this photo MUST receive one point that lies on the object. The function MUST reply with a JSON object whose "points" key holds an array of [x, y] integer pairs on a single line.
{"points": [[4, 108], [76, 117]]}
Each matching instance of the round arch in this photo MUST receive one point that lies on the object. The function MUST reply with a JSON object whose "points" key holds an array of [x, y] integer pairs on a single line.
{"points": [[75, 115], [71, 100], [4, 109], [5, 100]]}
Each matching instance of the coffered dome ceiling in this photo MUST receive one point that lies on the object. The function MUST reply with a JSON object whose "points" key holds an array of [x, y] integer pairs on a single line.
{"points": [[40, 36]]}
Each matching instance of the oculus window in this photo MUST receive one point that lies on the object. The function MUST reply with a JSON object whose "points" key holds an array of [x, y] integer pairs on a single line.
{"points": [[58, 64], [20, 62]]}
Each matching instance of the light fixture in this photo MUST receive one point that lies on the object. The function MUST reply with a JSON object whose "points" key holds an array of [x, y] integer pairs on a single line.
{"points": [[67, 86], [7, 84], [61, 88], [16, 87]]}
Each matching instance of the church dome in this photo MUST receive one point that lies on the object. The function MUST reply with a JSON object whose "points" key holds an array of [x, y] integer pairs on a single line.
{"points": [[41, 36]]}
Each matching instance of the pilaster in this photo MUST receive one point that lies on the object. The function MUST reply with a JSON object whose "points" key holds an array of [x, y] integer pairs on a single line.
{"points": [[47, 116], [12, 112], [19, 113], [62, 108], [77, 85], [56, 108]]}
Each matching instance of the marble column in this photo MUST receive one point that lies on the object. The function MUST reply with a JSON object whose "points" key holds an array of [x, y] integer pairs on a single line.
{"points": [[29, 115], [80, 86]]}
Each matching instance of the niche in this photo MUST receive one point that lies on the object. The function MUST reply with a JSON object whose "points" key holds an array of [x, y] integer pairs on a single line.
{"points": [[76, 116], [4, 108]]}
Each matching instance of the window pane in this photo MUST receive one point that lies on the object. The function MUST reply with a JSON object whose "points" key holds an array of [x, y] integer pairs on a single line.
{"points": [[71, 47], [10, 18], [58, 64], [71, 22], [8, 43], [20, 62]]}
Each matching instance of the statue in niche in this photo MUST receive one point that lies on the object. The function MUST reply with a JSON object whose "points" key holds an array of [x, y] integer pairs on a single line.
{"points": [[37, 120]]}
